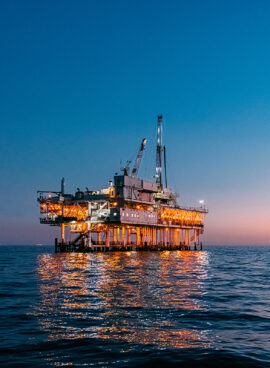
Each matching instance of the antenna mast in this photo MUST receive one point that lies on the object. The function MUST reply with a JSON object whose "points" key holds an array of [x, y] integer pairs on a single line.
{"points": [[63, 186]]}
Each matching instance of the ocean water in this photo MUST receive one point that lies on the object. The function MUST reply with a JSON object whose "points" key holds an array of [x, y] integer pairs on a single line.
{"points": [[207, 308]]}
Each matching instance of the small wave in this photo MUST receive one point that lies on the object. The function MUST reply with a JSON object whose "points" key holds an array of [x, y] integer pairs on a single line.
{"points": [[96, 352]]}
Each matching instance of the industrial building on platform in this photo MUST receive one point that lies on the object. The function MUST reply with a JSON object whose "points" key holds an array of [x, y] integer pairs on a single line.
{"points": [[131, 214]]}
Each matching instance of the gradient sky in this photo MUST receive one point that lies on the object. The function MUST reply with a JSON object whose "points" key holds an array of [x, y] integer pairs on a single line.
{"points": [[81, 83]]}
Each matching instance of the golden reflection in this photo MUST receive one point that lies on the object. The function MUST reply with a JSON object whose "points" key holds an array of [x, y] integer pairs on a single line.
{"points": [[138, 297]]}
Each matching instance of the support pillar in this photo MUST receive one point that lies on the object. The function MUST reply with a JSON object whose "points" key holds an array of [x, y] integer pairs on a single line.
{"points": [[143, 235], [195, 239], [175, 237], [182, 236], [107, 236], [138, 236], [128, 236], [63, 233], [186, 237], [123, 236], [165, 237], [118, 236], [114, 235]]}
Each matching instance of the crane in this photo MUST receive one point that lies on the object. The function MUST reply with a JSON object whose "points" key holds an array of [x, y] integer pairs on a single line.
{"points": [[138, 159]]}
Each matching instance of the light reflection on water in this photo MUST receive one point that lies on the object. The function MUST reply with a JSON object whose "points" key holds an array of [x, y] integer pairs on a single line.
{"points": [[127, 296]]}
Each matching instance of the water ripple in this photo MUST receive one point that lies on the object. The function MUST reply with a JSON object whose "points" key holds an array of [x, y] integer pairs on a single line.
{"points": [[130, 309]]}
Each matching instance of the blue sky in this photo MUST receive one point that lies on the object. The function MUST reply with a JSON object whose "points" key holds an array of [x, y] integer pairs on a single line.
{"points": [[83, 81]]}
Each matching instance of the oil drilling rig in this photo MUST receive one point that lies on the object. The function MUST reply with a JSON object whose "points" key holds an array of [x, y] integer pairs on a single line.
{"points": [[131, 214]]}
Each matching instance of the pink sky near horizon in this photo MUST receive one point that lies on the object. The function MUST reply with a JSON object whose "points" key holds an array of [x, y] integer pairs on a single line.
{"points": [[236, 216]]}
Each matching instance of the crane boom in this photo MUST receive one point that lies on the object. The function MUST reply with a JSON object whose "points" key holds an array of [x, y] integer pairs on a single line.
{"points": [[138, 159]]}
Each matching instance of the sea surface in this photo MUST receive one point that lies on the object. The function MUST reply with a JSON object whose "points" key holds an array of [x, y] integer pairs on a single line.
{"points": [[207, 308]]}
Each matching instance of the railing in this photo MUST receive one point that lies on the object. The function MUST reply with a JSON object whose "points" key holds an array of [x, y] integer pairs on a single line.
{"points": [[45, 195], [203, 209]]}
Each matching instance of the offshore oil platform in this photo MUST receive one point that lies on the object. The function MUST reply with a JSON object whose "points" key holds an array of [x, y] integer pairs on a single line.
{"points": [[131, 214]]}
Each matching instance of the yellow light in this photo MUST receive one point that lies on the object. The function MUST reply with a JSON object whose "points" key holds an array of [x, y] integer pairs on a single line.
{"points": [[182, 217]]}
